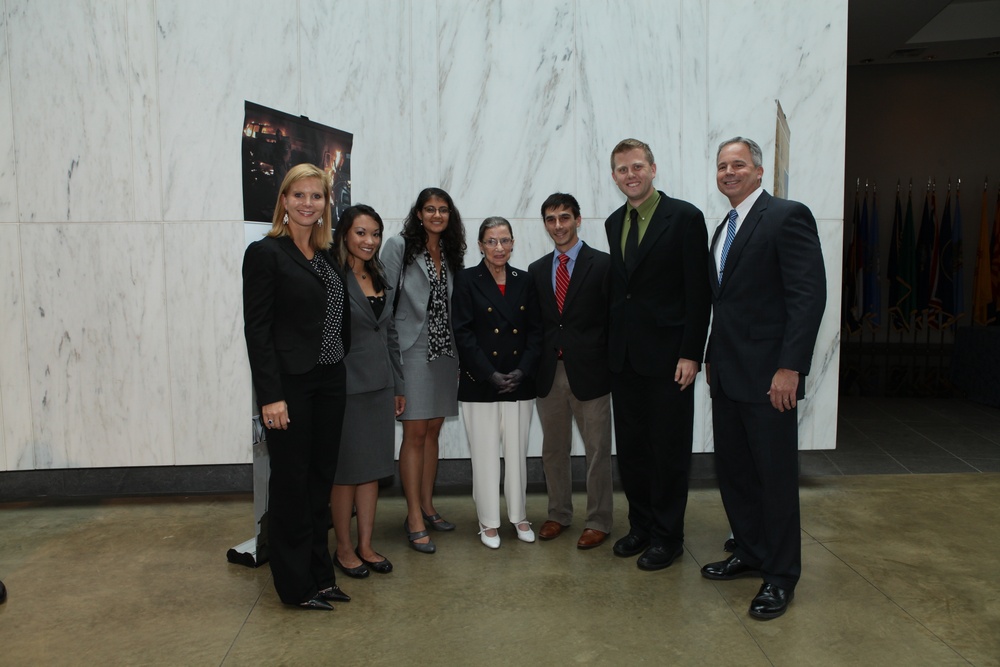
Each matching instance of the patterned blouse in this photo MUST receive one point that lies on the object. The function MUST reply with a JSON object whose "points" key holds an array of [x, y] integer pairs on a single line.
{"points": [[438, 326], [332, 350]]}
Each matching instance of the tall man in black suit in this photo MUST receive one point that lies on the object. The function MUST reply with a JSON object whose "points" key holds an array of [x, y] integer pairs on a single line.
{"points": [[573, 377], [769, 291], [660, 304]]}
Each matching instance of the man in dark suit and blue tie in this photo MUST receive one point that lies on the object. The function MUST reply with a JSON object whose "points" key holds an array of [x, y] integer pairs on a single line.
{"points": [[768, 293], [573, 377], [660, 305]]}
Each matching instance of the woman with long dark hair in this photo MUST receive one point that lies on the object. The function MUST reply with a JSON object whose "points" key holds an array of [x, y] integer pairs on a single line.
{"points": [[374, 391], [421, 263]]}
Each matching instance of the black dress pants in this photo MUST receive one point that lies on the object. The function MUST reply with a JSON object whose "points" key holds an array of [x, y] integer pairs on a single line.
{"points": [[303, 465], [756, 459], [654, 423]]}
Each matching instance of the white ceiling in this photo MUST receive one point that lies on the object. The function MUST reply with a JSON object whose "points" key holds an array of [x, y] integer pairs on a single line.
{"points": [[894, 31]]}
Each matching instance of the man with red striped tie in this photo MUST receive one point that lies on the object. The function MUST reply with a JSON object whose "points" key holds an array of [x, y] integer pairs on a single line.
{"points": [[573, 380]]}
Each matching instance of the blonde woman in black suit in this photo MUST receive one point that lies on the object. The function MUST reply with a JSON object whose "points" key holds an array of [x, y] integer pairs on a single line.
{"points": [[298, 331], [374, 392]]}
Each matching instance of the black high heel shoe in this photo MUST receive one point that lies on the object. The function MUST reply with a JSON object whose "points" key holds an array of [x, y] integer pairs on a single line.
{"points": [[316, 603], [437, 523], [334, 594], [427, 548]]}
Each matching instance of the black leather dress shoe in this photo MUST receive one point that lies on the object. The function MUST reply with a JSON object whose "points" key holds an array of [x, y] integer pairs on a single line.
{"points": [[359, 572], [724, 570], [630, 545], [316, 603], [3, 593], [730, 546], [657, 558], [771, 602], [334, 594]]}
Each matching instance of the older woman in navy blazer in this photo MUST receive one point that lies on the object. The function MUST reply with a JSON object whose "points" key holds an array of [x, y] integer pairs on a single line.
{"points": [[298, 331], [498, 332]]}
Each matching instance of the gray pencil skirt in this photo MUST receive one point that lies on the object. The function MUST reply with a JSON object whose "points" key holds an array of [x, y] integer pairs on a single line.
{"points": [[368, 438], [431, 387]]}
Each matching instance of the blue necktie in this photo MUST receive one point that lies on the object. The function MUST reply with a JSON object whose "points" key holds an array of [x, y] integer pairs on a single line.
{"points": [[730, 235]]}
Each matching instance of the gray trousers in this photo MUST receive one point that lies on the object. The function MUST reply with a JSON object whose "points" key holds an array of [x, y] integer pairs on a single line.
{"points": [[593, 418]]}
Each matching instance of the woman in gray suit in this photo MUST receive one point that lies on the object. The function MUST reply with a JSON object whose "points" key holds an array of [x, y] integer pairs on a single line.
{"points": [[422, 262], [374, 392]]}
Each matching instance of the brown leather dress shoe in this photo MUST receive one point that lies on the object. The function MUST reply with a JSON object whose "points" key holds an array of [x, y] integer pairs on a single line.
{"points": [[551, 530], [591, 538]]}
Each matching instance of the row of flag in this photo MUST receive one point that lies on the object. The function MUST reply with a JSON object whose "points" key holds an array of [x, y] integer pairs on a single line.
{"points": [[925, 271]]}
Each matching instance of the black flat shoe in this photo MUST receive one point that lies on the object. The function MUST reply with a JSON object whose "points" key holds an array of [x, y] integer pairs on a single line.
{"points": [[381, 566], [316, 603], [438, 523], [630, 545], [427, 548], [731, 568], [657, 558], [359, 572], [771, 602], [334, 594]]}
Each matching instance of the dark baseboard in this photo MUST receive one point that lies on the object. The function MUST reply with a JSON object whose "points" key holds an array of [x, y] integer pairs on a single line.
{"points": [[454, 478]]}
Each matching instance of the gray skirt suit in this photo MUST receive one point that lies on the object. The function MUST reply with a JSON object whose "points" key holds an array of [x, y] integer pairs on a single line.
{"points": [[374, 378], [432, 387]]}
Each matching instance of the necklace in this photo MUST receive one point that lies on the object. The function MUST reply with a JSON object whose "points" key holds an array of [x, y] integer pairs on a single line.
{"points": [[362, 275]]}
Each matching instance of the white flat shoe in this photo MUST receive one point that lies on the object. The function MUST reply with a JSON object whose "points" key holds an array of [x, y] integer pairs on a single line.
{"points": [[493, 542], [526, 535]]}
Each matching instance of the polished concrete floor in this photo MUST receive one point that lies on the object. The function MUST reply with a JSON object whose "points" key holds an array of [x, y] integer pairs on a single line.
{"points": [[898, 569]]}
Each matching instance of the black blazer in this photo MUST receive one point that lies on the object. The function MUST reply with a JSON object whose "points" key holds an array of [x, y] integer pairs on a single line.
{"points": [[284, 304], [581, 330], [660, 312], [768, 308], [495, 333]]}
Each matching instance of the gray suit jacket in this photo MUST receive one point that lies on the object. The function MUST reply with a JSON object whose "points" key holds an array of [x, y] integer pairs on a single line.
{"points": [[411, 311], [373, 363]]}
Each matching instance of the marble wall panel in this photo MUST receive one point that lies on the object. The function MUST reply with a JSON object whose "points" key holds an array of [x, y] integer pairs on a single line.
{"points": [[210, 395], [144, 110], [211, 57], [631, 70], [506, 112], [96, 325], [15, 389], [69, 85], [8, 177], [367, 90], [802, 63]]}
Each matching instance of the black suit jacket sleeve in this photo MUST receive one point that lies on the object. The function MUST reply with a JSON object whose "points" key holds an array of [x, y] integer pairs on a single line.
{"points": [[804, 283]]}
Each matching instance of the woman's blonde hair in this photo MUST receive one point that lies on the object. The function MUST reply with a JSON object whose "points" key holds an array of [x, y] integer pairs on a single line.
{"points": [[322, 232]]}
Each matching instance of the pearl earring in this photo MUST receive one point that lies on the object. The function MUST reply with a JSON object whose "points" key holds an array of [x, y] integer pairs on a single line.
{"points": [[284, 220]]}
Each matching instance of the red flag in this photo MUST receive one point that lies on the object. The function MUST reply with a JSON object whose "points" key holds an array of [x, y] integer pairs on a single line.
{"points": [[983, 311]]}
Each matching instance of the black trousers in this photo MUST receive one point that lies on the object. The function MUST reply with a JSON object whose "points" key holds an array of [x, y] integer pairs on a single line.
{"points": [[303, 464], [756, 459], [654, 423]]}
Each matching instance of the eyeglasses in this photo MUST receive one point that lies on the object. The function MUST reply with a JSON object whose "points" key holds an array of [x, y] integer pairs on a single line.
{"points": [[430, 210], [492, 243]]}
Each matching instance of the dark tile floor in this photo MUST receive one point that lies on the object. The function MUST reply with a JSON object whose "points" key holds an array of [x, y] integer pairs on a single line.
{"points": [[887, 436]]}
